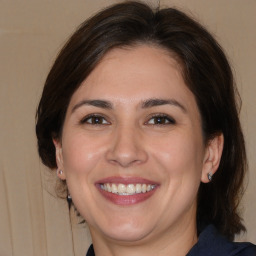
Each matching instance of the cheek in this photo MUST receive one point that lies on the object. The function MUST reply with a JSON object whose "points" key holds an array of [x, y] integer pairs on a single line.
{"points": [[179, 159], [81, 153], [179, 154]]}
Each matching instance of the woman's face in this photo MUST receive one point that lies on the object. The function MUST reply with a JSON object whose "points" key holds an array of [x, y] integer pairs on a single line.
{"points": [[132, 150]]}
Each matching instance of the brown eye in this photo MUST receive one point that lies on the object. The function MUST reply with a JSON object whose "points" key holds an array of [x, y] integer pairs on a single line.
{"points": [[95, 120], [161, 120]]}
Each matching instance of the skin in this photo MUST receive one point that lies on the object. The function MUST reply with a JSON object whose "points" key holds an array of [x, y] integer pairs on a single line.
{"points": [[130, 142]]}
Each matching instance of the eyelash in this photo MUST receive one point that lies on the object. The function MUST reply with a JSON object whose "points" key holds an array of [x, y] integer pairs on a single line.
{"points": [[94, 117], [102, 121], [162, 117]]}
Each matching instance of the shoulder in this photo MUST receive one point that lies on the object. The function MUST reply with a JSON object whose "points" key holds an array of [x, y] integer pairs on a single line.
{"points": [[211, 243]]}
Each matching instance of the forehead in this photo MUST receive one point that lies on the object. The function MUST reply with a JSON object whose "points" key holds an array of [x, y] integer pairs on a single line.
{"points": [[133, 70]]}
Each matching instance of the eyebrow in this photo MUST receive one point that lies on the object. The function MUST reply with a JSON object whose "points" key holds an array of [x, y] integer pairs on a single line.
{"points": [[145, 104], [159, 102], [96, 103]]}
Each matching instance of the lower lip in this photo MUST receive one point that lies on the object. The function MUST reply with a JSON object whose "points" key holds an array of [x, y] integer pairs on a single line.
{"points": [[128, 199]]}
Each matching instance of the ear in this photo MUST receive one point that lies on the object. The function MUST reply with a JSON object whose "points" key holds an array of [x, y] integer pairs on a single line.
{"points": [[59, 159], [212, 157]]}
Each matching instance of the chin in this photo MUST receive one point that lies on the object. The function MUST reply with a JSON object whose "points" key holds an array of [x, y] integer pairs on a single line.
{"points": [[127, 234], [125, 231]]}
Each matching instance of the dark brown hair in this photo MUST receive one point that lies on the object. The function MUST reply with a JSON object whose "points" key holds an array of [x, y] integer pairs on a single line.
{"points": [[206, 72]]}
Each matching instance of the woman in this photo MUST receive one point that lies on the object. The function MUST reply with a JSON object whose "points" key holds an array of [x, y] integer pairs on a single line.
{"points": [[139, 116]]}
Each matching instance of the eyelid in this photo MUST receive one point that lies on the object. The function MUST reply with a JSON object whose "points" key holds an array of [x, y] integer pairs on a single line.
{"points": [[170, 119], [89, 116]]}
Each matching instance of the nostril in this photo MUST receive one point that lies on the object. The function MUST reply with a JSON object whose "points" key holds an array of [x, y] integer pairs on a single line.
{"points": [[126, 158], [124, 162]]}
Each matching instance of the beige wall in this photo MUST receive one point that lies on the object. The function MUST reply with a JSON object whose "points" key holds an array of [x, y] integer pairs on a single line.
{"points": [[32, 220]]}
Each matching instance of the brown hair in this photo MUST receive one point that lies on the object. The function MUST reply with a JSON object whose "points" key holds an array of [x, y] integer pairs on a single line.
{"points": [[206, 72]]}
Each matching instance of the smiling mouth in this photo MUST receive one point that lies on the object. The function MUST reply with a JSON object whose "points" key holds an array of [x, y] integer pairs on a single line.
{"points": [[127, 190]]}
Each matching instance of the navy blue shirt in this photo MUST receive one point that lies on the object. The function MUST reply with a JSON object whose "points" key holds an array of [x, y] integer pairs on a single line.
{"points": [[211, 243]]}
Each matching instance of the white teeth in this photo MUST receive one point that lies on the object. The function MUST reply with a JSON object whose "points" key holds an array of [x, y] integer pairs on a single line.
{"points": [[138, 188], [121, 188], [108, 187], [114, 189], [129, 189]]}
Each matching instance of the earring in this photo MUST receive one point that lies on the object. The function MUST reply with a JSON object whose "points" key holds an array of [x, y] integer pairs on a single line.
{"points": [[209, 176], [60, 172], [69, 200]]}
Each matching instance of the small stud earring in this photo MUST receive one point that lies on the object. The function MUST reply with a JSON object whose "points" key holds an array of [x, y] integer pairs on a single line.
{"points": [[209, 176], [60, 172]]}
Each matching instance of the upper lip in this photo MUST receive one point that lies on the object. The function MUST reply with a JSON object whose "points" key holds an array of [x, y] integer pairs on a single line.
{"points": [[126, 180]]}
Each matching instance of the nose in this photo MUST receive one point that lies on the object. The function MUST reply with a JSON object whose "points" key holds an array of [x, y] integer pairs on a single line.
{"points": [[127, 147]]}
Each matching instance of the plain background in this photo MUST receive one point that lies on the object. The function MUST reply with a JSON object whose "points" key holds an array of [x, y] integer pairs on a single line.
{"points": [[32, 220]]}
